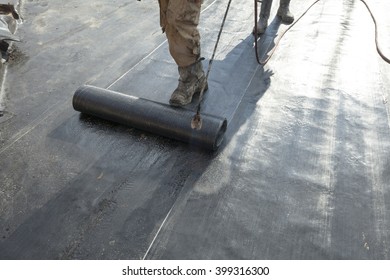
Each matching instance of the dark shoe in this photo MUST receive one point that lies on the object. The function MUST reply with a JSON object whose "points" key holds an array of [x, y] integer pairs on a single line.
{"points": [[262, 25], [192, 79], [284, 12]]}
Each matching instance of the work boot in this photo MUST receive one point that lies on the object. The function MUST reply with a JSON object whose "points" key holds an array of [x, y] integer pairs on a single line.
{"points": [[265, 10], [262, 25], [191, 81], [284, 12]]}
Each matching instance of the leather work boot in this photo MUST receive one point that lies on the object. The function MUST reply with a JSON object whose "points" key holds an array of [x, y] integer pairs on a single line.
{"points": [[284, 12], [191, 81], [265, 10]]}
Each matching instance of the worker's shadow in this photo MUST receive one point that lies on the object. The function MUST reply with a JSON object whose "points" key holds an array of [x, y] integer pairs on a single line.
{"points": [[238, 82]]}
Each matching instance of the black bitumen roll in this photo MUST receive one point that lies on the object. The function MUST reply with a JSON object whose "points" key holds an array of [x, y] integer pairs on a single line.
{"points": [[147, 115]]}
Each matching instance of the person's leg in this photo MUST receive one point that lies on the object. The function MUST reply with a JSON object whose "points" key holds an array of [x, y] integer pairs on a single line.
{"points": [[284, 12], [182, 19], [265, 10], [180, 24]]}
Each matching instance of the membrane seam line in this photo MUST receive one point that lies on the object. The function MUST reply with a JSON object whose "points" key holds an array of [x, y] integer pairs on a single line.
{"points": [[158, 232]]}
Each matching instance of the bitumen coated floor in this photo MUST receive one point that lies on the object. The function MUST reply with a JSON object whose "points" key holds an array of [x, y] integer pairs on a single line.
{"points": [[303, 172]]}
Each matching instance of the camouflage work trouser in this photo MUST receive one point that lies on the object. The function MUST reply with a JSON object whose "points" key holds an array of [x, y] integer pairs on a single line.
{"points": [[179, 20]]}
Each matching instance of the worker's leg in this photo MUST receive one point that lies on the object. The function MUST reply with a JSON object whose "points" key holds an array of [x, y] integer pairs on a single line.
{"points": [[264, 16], [180, 24], [182, 31], [284, 12]]}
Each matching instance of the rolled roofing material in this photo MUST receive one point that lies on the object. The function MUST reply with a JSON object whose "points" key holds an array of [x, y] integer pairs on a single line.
{"points": [[150, 116]]}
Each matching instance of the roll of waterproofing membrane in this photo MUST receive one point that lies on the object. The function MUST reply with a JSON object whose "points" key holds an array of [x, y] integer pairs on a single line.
{"points": [[147, 115]]}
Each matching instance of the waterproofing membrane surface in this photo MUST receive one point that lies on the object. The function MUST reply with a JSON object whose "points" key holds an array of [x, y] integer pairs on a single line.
{"points": [[303, 173]]}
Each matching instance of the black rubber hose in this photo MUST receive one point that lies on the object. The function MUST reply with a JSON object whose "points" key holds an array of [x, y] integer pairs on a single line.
{"points": [[154, 117]]}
